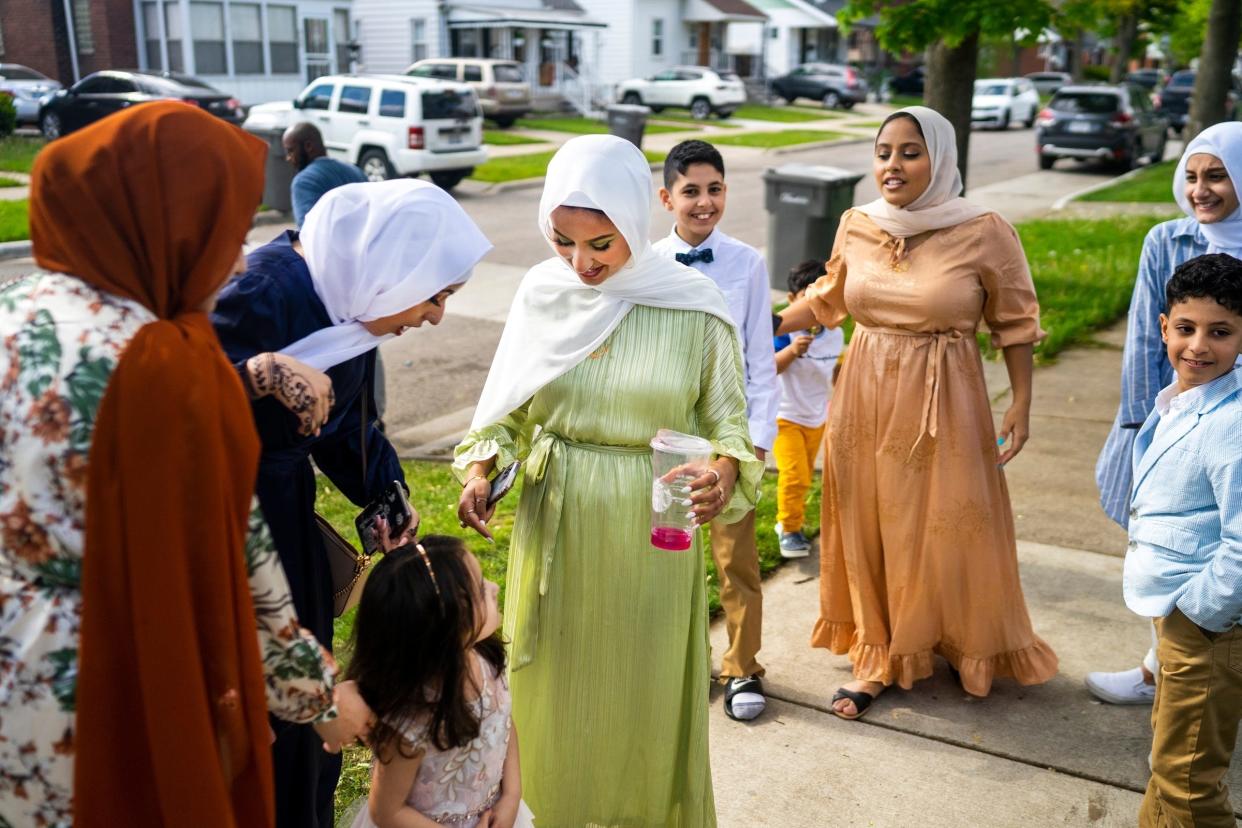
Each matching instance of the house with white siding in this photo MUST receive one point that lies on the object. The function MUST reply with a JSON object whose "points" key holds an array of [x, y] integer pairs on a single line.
{"points": [[255, 49], [797, 32]]}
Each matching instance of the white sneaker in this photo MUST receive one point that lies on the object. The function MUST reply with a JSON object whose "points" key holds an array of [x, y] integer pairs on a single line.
{"points": [[1126, 687]]}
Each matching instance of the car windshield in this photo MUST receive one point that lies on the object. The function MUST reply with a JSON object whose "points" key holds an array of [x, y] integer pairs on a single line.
{"points": [[507, 73], [1183, 78], [447, 104], [1087, 103], [991, 89], [20, 73]]}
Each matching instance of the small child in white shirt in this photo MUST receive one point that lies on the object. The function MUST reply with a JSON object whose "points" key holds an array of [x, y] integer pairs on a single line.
{"points": [[804, 362]]}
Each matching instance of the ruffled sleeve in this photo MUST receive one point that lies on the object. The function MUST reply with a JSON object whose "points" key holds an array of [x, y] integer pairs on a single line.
{"points": [[721, 414], [1010, 309], [827, 295], [298, 672], [507, 440]]}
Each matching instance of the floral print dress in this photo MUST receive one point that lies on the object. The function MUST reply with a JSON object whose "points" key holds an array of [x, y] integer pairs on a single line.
{"points": [[60, 340]]}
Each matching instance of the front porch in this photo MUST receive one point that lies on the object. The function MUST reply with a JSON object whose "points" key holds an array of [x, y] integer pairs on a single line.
{"points": [[558, 49], [725, 35]]}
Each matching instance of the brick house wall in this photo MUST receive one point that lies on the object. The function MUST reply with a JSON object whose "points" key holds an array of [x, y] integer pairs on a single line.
{"points": [[35, 34]]}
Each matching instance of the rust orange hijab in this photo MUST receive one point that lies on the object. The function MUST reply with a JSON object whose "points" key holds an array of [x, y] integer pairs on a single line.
{"points": [[153, 205]]}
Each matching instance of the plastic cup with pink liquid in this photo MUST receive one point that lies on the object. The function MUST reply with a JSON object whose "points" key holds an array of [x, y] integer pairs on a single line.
{"points": [[676, 460]]}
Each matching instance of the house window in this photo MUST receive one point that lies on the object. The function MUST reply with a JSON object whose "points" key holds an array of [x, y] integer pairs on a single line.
{"points": [[418, 39], [151, 35], [246, 24], [83, 33], [341, 33], [172, 25], [657, 38], [282, 38], [207, 26]]}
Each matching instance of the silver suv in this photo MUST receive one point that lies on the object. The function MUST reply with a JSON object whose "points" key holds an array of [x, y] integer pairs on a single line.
{"points": [[500, 86]]}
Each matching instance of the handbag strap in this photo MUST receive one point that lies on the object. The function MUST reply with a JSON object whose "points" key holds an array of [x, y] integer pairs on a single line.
{"points": [[364, 431]]}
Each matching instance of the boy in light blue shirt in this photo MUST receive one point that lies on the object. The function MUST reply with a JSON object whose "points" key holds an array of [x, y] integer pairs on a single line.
{"points": [[1183, 565]]}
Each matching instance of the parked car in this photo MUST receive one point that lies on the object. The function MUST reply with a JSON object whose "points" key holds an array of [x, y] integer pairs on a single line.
{"points": [[1174, 99], [389, 125], [697, 88], [1046, 83], [833, 85], [103, 93], [1000, 101], [1149, 79], [1108, 123], [499, 85], [27, 88], [910, 83]]}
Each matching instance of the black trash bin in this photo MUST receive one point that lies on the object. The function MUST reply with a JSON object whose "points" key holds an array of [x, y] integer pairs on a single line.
{"points": [[628, 121], [804, 204], [278, 174]]}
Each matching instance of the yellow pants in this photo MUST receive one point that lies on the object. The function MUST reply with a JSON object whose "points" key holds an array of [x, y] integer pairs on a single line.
{"points": [[1195, 725], [796, 449]]}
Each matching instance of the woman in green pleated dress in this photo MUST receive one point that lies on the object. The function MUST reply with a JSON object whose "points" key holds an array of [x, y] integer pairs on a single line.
{"points": [[607, 343]]}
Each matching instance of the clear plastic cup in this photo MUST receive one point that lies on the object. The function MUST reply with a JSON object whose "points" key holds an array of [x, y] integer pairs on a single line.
{"points": [[676, 460]]}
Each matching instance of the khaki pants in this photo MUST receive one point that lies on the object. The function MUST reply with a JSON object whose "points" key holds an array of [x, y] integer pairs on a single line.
{"points": [[737, 563], [1195, 724]]}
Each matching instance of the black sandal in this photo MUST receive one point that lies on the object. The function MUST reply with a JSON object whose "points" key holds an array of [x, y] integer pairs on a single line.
{"points": [[861, 701], [735, 686]]}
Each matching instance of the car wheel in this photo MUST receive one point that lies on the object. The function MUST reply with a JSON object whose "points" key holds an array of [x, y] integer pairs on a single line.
{"points": [[1030, 121], [504, 123], [1046, 161], [50, 125], [1130, 160], [448, 179], [1158, 155], [374, 165], [848, 105], [724, 113], [831, 100], [632, 98], [789, 99], [1004, 121], [657, 109], [701, 109]]}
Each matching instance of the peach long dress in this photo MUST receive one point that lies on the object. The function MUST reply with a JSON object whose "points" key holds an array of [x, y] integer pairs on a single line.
{"points": [[918, 555]]}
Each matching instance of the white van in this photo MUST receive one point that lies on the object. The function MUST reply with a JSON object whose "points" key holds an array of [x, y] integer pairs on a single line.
{"points": [[389, 125]]}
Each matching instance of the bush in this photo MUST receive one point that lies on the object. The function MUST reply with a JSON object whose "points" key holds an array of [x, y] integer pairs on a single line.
{"points": [[8, 116], [1096, 73]]}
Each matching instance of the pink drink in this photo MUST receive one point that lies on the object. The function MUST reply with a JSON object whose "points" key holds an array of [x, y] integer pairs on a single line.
{"points": [[674, 540]]}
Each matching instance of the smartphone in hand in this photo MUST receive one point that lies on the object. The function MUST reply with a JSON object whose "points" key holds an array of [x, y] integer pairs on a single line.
{"points": [[394, 507]]}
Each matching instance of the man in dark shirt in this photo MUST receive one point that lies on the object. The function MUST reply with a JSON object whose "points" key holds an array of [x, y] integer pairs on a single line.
{"points": [[317, 173]]}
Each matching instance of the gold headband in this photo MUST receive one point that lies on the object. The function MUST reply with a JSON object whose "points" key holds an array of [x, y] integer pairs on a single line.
{"points": [[430, 571]]}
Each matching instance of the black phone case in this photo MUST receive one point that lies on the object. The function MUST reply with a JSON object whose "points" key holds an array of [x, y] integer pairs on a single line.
{"points": [[391, 505]]}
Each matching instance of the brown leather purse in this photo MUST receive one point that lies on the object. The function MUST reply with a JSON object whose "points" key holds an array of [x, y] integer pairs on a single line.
{"points": [[348, 566]]}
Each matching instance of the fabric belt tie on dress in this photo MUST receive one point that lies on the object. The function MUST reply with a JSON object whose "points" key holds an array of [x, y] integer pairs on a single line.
{"points": [[544, 480], [939, 341]]}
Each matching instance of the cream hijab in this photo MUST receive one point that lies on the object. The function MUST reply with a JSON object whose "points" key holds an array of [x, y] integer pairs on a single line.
{"points": [[375, 249], [1223, 140], [556, 320], [939, 206]]}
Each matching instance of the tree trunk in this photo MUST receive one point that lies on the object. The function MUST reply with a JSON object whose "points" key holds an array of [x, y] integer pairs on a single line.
{"points": [[1073, 55], [950, 88], [1127, 31], [1212, 82]]}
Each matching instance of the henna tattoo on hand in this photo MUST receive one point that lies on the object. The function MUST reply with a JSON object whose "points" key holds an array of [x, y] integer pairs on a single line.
{"points": [[295, 390]]}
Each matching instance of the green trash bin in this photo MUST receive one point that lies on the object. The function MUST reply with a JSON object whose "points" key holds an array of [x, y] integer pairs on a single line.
{"points": [[278, 173], [804, 204], [628, 121]]}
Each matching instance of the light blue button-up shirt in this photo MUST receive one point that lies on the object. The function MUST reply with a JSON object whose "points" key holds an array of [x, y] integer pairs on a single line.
{"points": [[1186, 511]]}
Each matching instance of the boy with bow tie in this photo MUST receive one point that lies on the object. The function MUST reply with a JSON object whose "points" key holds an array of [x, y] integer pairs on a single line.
{"points": [[694, 192]]}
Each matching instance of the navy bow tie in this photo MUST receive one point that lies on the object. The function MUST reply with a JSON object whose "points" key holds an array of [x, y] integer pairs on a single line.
{"points": [[705, 256]]}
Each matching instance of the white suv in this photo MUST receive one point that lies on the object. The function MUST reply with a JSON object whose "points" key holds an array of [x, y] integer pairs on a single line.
{"points": [[697, 88], [389, 125]]}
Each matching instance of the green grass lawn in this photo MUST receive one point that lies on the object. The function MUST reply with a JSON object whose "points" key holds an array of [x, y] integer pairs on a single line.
{"points": [[532, 165], [505, 138], [434, 492], [868, 125], [14, 221], [582, 126], [1151, 185], [9, 182], [683, 117], [782, 138], [783, 114], [17, 153]]}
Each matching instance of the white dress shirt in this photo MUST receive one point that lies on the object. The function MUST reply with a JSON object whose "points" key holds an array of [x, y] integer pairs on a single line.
{"points": [[1172, 406], [742, 275]]}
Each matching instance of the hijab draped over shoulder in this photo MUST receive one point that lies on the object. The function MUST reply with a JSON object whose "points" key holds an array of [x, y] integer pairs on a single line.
{"points": [[376, 249], [153, 205], [556, 320], [1223, 140], [941, 204]]}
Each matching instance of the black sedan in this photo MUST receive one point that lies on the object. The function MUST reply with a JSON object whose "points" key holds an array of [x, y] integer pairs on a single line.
{"points": [[1106, 123], [835, 86], [910, 83], [99, 95]]}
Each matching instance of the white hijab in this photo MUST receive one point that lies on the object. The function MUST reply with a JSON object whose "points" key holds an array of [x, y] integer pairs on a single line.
{"points": [[556, 321], [375, 249], [1223, 140], [939, 206]]}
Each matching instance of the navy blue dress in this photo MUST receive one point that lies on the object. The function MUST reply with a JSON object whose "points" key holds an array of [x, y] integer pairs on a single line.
{"points": [[269, 307]]}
